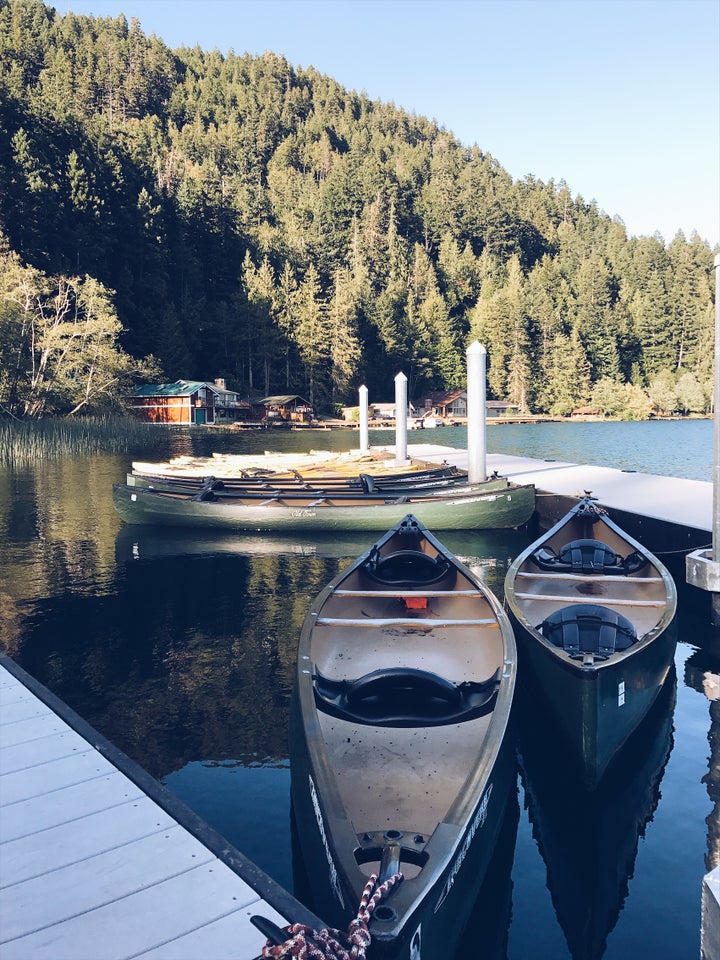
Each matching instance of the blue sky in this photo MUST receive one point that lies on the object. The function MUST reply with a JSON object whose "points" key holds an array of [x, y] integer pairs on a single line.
{"points": [[618, 98]]}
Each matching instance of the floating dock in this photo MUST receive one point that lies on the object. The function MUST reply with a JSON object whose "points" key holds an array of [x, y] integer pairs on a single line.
{"points": [[98, 859], [668, 514]]}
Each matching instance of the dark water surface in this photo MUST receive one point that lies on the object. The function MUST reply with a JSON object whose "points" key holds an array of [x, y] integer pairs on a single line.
{"points": [[180, 648]]}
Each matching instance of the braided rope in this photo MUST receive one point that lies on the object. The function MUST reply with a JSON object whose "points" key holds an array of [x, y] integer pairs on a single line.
{"points": [[304, 943]]}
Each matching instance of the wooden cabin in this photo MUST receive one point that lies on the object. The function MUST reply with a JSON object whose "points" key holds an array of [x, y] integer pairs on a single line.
{"points": [[191, 402], [182, 402], [230, 407], [448, 405], [452, 405], [288, 409]]}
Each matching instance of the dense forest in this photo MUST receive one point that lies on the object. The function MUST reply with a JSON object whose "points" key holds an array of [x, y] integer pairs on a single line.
{"points": [[185, 213]]}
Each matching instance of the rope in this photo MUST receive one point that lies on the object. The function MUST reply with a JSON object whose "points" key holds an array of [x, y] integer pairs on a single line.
{"points": [[304, 943]]}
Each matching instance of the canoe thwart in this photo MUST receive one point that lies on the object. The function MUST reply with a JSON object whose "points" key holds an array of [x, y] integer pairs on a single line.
{"points": [[588, 556], [397, 594], [588, 628], [405, 697], [408, 623], [547, 577], [616, 601]]}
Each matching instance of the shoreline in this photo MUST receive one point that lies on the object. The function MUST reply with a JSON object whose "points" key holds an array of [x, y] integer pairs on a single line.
{"points": [[331, 424]]}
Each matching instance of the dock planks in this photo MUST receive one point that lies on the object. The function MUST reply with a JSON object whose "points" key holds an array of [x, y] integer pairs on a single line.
{"points": [[98, 861]]}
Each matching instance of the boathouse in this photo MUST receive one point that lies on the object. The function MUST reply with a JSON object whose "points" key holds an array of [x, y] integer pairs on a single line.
{"points": [[288, 408], [188, 402], [181, 402]]}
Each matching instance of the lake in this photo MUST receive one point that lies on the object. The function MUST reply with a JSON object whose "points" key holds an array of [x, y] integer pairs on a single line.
{"points": [[180, 649]]}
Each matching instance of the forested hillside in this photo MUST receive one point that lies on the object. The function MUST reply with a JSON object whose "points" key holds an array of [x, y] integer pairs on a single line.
{"points": [[184, 213]]}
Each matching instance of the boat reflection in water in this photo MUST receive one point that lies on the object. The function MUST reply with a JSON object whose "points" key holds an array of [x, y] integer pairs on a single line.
{"points": [[485, 552], [589, 839], [141, 542], [486, 934]]}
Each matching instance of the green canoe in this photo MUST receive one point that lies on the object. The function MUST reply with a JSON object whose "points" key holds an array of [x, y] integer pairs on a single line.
{"points": [[509, 506]]}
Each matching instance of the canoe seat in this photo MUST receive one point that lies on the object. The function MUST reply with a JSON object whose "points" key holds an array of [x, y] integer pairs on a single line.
{"points": [[405, 697], [588, 628], [407, 568], [587, 556]]}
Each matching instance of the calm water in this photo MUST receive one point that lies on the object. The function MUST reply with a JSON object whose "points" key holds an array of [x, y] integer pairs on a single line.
{"points": [[180, 649]]}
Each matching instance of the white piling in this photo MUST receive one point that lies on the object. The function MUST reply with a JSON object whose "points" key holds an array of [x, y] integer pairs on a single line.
{"points": [[401, 409], [702, 567], [716, 435], [364, 443], [476, 412]]}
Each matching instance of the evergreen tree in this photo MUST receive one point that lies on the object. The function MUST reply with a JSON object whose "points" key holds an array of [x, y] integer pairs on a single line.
{"points": [[158, 173]]}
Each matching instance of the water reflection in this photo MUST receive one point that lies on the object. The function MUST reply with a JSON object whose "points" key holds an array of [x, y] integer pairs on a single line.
{"points": [[702, 673], [190, 658], [248, 801], [182, 654], [487, 553], [589, 840]]}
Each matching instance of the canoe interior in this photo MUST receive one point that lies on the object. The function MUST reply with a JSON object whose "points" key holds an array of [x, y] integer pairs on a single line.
{"points": [[406, 781], [296, 480], [641, 596], [382, 634]]}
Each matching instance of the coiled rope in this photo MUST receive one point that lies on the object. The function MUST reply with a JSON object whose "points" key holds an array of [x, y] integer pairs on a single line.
{"points": [[304, 943]]}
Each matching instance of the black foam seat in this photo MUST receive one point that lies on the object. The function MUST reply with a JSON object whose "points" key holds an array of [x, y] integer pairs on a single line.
{"points": [[405, 697], [588, 556], [407, 568], [584, 628]]}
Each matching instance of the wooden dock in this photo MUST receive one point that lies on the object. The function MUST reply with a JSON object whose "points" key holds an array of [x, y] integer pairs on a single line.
{"points": [[99, 861]]}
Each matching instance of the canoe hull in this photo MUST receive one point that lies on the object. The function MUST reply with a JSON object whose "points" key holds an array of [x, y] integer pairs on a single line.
{"points": [[433, 925], [587, 573], [511, 507], [434, 788], [594, 709]]}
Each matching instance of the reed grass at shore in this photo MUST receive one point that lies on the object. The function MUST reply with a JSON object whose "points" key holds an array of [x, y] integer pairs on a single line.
{"points": [[25, 441]]}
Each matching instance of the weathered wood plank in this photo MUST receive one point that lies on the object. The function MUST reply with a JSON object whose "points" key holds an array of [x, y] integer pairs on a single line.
{"points": [[41, 725], [99, 860], [11, 689], [62, 806], [56, 848], [98, 881], [223, 939], [148, 919], [42, 750], [20, 708], [35, 781]]}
